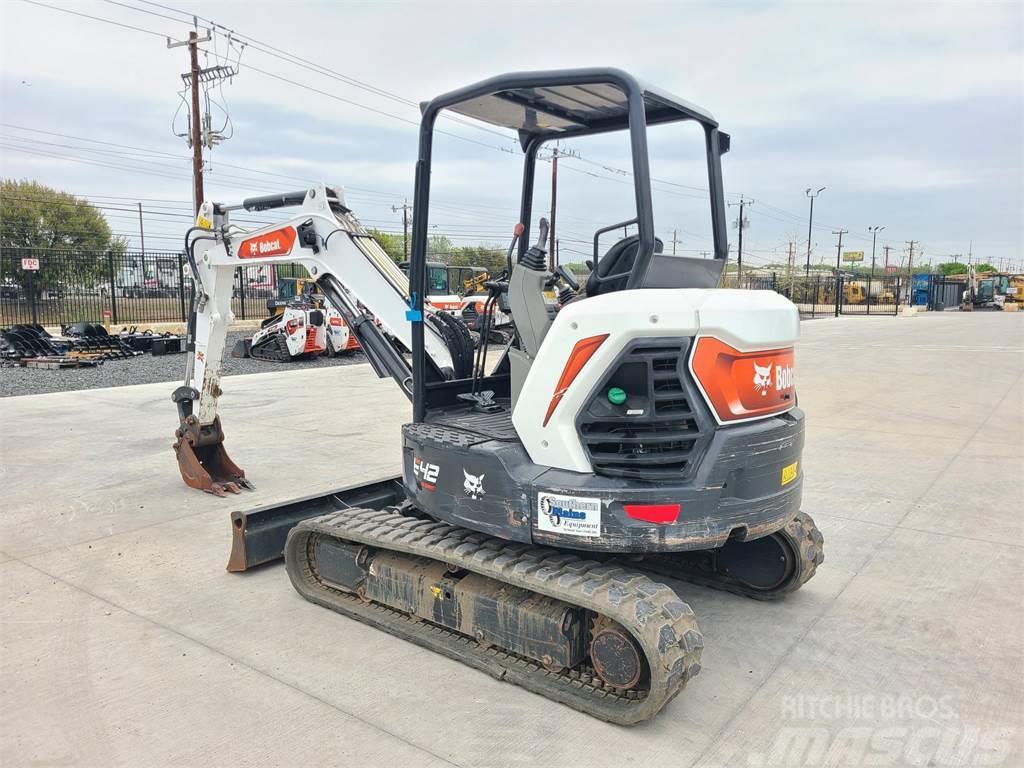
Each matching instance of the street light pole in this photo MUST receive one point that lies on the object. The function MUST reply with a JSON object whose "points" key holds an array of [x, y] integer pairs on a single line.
{"points": [[874, 234], [810, 223]]}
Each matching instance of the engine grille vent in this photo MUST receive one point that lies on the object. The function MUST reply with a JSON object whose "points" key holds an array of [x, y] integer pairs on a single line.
{"points": [[661, 442]]}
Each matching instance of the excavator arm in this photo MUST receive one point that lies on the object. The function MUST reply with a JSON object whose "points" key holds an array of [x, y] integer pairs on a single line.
{"points": [[355, 274]]}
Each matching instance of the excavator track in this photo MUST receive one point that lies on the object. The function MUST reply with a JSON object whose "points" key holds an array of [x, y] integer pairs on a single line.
{"points": [[798, 547], [625, 608]]}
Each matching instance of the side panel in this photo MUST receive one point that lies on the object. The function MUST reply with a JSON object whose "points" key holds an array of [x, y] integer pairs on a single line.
{"points": [[746, 320]]}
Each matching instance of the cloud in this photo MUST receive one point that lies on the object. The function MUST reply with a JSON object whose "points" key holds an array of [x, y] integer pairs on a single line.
{"points": [[909, 111]]}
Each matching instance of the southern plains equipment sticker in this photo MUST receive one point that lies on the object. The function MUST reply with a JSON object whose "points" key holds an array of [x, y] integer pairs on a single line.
{"points": [[571, 515]]}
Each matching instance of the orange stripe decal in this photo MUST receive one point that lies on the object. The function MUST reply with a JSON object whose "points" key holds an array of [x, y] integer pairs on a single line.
{"points": [[581, 353]]}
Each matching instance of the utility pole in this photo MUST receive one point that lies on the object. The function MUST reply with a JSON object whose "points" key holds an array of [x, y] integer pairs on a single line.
{"points": [[874, 235], [142, 234], [789, 268], [556, 153], [675, 239], [839, 250], [739, 253], [887, 249], [404, 208], [810, 222], [195, 118], [839, 247]]}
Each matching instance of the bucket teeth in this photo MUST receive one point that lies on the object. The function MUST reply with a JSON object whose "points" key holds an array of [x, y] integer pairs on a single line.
{"points": [[209, 468]]}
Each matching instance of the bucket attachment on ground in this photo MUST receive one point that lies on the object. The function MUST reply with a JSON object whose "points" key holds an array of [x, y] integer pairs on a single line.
{"points": [[202, 460]]}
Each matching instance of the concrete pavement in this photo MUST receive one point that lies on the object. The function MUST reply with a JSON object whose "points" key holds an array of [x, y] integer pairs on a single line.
{"points": [[123, 641]]}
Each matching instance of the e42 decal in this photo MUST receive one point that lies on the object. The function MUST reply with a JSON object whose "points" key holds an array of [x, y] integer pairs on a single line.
{"points": [[426, 473]]}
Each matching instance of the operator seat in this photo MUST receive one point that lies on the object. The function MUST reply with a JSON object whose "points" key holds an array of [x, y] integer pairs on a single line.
{"points": [[617, 260]]}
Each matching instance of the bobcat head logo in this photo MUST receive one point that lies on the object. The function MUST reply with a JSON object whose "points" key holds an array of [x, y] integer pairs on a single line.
{"points": [[473, 484], [763, 378]]}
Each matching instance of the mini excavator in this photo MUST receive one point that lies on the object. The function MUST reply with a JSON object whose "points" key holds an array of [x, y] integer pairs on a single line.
{"points": [[647, 427]]}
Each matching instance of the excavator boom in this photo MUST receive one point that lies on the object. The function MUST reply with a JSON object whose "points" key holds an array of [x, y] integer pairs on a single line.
{"points": [[351, 270]]}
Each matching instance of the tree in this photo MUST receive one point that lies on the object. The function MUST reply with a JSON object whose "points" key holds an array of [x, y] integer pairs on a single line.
{"points": [[491, 258], [37, 217], [439, 248], [957, 268], [392, 244]]}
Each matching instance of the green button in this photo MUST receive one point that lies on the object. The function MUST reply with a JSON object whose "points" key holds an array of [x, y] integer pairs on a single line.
{"points": [[616, 396]]}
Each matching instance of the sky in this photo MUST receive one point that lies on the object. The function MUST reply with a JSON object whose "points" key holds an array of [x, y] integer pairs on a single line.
{"points": [[911, 115]]}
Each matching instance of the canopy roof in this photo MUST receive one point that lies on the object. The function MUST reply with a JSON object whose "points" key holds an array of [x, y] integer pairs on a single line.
{"points": [[566, 102]]}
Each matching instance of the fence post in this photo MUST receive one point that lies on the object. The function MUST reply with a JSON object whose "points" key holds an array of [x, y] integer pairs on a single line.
{"points": [[181, 286], [774, 287], [898, 289], [814, 296], [241, 290], [839, 292], [868, 297], [32, 297], [113, 288]]}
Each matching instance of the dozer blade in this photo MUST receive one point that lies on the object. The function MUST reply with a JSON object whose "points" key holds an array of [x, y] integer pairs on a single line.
{"points": [[258, 535], [209, 468]]}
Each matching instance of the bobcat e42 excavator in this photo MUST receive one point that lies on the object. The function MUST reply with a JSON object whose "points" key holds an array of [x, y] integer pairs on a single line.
{"points": [[649, 427]]}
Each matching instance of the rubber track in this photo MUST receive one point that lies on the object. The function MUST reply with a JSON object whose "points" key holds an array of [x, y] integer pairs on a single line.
{"points": [[800, 535], [273, 349], [663, 625]]}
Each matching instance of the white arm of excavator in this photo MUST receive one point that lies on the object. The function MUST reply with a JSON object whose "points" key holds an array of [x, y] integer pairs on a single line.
{"points": [[349, 266], [331, 244]]}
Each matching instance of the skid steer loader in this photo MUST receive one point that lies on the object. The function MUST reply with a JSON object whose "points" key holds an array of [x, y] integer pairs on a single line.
{"points": [[647, 428]]}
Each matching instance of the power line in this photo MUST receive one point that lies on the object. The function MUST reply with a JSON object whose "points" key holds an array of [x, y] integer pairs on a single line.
{"points": [[95, 18]]}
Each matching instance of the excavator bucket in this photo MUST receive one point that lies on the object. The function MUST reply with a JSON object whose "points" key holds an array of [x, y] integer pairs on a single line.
{"points": [[203, 462]]}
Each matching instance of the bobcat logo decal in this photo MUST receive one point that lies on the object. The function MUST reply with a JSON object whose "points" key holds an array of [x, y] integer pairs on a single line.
{"points": [[473, 485], [763, 378]]}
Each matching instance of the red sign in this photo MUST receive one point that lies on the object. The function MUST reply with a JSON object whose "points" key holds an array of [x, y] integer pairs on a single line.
{"points": [[31, 265], [275, 243], [891, 267]]}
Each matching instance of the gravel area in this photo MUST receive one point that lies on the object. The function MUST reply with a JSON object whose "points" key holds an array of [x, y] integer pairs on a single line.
{"points": [[146, 369]]}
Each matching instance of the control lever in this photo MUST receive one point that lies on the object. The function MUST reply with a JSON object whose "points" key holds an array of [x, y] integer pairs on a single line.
{"points": [[516, 232], [567, 276], [536, 258], [542, 238]]}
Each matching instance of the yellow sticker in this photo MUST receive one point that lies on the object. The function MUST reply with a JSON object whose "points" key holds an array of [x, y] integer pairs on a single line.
{"points": [[436, 590], [789, 473], [202, 221]]}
